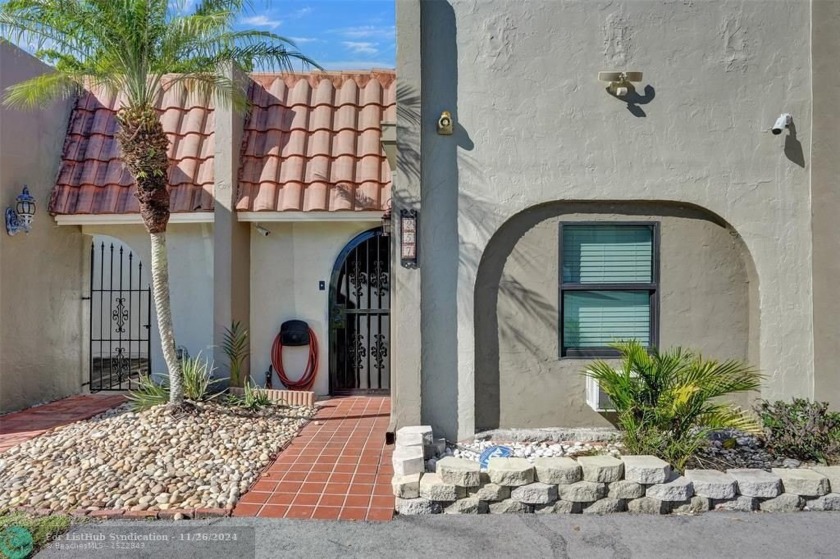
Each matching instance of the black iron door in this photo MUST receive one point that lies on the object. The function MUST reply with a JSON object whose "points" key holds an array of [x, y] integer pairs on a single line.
{"points": [[120, 319], [360, 293]]}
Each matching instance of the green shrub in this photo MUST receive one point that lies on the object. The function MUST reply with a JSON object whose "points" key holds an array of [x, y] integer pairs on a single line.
{"points": [[148, 394], [253, 399], [801, 429], [235, 346], [668, 402], [197, 375], [41, 530]]}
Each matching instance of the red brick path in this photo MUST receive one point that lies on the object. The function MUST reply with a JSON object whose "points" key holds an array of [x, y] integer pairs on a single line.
{"points": [[337, 468], [21, 426]]}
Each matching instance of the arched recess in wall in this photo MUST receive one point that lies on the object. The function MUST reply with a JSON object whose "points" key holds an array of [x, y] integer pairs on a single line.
{"points": [[708, 293]]}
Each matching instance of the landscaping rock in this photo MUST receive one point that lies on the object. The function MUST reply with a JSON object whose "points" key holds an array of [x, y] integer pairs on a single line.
{"points": [[417, 506], [827, 502], [415, 435], [695, 505], [560, 507], [509, 506], [648, 505], [833, 475], [490, 492], [679, 489], [601, 469], [625, 490], [808, 483], [582, 492], [712, 484], [645, 469], [740, 503], [408, 460], [406, 487], [786, 502], [605, 506], [535, 494], [459, 471], [512, 472], [467, 506], [558, 471], [756, 483], [434, 489]]}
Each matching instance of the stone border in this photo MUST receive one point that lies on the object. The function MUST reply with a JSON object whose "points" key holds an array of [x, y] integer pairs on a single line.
{"points": [[595, 485]]}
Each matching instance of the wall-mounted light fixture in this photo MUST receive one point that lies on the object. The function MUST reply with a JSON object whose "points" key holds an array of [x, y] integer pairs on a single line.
{"points": [[408, 238], [620, 81], [20, 218], [387, 225], [445, 124]]}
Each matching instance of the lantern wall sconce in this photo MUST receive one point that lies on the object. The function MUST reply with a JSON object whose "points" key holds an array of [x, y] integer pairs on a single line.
{"points": [[445, 124], [19, 218], [387, 224], [620, 84], [408, 238]]}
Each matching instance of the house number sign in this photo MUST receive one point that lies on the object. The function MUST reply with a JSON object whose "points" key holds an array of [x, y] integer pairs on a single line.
{"points": [[408, 238]]}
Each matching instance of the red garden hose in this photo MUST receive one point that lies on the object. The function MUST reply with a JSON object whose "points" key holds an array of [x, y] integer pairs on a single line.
{"points": [[308, 377]]}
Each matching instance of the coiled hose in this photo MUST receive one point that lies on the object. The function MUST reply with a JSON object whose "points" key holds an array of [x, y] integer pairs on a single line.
{"points": [[308, 378]]}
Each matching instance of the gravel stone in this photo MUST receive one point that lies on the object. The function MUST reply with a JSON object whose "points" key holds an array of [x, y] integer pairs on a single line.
{"points": [[467, 506], [756, 483], [679, 489], [459, 471], [558, 471], [646, 469], [583, 492], [648, 505], [695, 505], [434, 489], [712, 484], [601, 469], [786, 502], [509, 506], [490, 492], [605, 506], [417, 506], [741, 503], [512, 472], [625, 490], [807, 483], [535, 494]]}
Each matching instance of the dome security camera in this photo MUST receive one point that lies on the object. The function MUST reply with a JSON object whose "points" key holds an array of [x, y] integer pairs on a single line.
{"points": [[263, 231], [784, 121]]}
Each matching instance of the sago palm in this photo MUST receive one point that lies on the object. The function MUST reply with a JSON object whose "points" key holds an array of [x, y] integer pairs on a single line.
{"points": [[129, 46], [668, 402]]}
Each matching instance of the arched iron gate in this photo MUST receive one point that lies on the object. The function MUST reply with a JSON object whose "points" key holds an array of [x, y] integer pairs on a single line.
{"points": [[360, 293]]}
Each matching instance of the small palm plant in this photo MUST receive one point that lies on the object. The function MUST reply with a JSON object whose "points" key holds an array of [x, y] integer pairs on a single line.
{"points": [[668, 402], [235, 346]]}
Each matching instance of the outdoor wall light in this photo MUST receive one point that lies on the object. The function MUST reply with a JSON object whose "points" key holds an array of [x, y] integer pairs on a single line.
{"points": [[445, 124], [620, 81], [408, 238], [20, 218], [387, 225]]}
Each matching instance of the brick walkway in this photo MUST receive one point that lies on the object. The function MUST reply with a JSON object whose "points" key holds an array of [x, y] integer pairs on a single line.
{"points": [[21, 426], [337, 468]]}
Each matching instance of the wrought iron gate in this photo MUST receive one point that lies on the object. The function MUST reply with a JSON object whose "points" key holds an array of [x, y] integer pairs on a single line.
{"points": [[360, 293], [120, 319]]}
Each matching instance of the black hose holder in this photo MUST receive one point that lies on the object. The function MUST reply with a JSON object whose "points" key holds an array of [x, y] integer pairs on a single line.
{"points": [[294, 333]]}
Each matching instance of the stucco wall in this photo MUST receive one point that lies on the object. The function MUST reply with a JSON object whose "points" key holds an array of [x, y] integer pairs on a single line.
{"points": [[703, 297], [190, 249], [40, 273], [534, 125], [286, 267]]}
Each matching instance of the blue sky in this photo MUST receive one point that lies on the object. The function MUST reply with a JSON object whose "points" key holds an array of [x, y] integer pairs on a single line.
{"points": [[337, 34]]}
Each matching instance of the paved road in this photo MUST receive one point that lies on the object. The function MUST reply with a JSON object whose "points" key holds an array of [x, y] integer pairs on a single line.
{"points": [[714, 535]]}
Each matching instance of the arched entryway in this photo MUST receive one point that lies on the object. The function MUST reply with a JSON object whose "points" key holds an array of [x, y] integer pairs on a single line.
{"points": [[360, 293]]}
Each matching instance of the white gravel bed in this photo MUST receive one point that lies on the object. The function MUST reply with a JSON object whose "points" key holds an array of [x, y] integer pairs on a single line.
{"points": [[151, 460], [530, 450]]}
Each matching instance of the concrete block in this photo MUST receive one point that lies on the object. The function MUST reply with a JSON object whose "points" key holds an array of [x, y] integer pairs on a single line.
{"points": [[434, 489], [807, 483], [509, 506], [625, 490], [440, 447], [415, 435], [646, 469], [605, 506], [490, 492], [786, 502], [583, 492], [558, 471], [695, 505], [679, 489], [825, 503], [648, 505], [712, 484], [740, 503], [512, 472], [416, 506], [408, 460], [560, 507], [756, 483], [467, 506], [601, 469], [833, 475], [459, 471], [406, 487], [535, 494]]}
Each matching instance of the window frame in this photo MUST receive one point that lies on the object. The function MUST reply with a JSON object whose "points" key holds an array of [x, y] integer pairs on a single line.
{"points": [[652, 288]]}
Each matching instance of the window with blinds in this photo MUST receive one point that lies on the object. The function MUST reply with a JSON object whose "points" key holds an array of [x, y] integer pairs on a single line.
{"points": [[608, 286]]}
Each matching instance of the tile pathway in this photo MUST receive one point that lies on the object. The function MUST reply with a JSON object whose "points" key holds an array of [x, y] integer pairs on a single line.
{"points": [[337, 468], [17, 427]]}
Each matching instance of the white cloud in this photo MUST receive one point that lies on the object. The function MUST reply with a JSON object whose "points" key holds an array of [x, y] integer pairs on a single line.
{"points": [[304, 40], [302, 12], [360, 47], [367, 32], [262, 21]]}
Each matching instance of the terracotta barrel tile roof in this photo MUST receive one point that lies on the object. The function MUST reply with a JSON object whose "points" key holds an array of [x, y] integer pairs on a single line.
{"points": [[92, 179], [312, 142]]}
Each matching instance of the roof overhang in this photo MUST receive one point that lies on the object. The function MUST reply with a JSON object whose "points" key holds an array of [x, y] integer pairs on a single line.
{"points": [[266, 217], [129, 219]]}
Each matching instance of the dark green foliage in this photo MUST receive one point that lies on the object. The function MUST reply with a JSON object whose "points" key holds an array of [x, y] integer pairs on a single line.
{"points": [[801, 429]]}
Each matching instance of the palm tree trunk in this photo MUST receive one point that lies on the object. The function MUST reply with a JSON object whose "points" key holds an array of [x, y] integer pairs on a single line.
{"points": [[160, 287]]}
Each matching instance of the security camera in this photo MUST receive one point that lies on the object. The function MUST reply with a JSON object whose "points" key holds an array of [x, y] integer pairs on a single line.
{"points": [[784, 121], [263, 231]]}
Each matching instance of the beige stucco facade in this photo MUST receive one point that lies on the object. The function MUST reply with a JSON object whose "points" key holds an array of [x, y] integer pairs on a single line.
{"points": [[534, 127]]}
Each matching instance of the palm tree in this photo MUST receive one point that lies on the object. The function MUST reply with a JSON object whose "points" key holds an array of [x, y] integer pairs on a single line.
{"points": [[129, 46]]}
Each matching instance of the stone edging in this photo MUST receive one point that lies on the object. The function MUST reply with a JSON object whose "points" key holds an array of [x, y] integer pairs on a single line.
{"points": [[595, 485]]}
